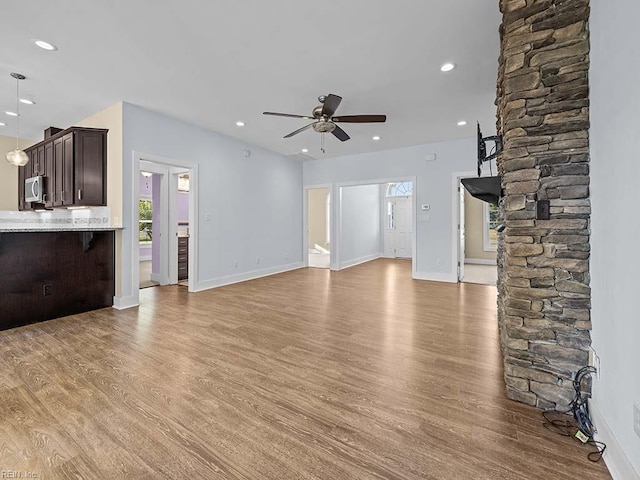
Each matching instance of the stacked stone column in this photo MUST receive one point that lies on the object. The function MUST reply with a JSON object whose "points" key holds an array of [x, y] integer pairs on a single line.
{"points": [[543, 115]]}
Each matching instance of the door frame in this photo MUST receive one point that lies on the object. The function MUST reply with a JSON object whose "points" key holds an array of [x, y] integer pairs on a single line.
{"points": [[173, 168], [336, 208], [305, 221]]}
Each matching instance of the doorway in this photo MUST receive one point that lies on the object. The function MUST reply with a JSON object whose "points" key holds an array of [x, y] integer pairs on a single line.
{"points": [[398, 220], [148, 216], [319, 227], [166, 196], [477, 240]]}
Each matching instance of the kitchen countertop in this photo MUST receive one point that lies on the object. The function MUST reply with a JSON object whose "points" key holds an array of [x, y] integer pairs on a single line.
{"points": [[84, 228]]}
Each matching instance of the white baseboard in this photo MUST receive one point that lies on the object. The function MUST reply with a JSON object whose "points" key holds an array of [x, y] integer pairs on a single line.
{"points": [[155, 277], [358, 261], [121, 303], [243, 277], [480, 261], [436, 277], [619, 465]]}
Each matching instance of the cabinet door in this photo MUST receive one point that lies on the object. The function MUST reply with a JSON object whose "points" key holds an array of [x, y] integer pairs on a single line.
{"points": [[39, 165], [49, 172], [67, 192], [90, 168], [58, 172]]}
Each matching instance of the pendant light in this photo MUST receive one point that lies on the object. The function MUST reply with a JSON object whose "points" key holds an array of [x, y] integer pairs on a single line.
{"points": [[17, 157]]}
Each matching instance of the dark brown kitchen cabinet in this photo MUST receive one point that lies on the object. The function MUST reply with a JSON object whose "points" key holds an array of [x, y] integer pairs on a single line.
{"points": [[73, 163], [183, 258]]}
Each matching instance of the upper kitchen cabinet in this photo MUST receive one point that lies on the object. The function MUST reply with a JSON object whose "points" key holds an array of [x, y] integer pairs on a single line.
{"points": [[73, 164]]}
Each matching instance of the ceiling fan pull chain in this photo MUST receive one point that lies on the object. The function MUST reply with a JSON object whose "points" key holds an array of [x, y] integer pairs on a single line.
{"points": [[322, 142]]}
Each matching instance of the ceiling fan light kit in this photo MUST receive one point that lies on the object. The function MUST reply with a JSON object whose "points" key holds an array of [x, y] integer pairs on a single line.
{"points": [[325, 122]]}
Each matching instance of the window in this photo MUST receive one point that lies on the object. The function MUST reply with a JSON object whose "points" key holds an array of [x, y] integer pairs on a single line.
{"points": [[145, 221], [401, 189], [491, 221]]}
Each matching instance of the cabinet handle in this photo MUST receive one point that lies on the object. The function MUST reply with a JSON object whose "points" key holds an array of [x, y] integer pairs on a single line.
{"points": [[79, 194]]}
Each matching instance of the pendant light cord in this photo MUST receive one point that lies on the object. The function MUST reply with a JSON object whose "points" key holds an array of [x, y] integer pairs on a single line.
{"points": [[17, 112]]}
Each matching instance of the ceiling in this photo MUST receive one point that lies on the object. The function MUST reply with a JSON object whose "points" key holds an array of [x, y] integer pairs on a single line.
{"points": [[212, 63]]}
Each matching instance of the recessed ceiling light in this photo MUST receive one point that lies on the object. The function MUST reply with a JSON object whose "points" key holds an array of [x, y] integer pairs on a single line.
{"points": [[376, 138], [3, 124], [240, 123], [462, 123], [45, 45], [11, 114], [305, 150], [26, 101], [447, 67]]}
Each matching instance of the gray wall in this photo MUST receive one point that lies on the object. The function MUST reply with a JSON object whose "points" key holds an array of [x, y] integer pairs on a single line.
{"points": [[615, 170], [249, 207], [435, 256], [360, 224]]}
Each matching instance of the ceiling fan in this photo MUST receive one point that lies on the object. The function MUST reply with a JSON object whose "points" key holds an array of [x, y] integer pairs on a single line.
{"points": [[325, 122]]}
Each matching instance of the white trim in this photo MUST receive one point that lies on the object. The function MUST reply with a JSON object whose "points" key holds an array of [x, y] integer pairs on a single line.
{"points": [[437, 276], [358, 261], [144, 258], [620, 467], [154, 277], [480, 261], [122, 303], [243, 277]]}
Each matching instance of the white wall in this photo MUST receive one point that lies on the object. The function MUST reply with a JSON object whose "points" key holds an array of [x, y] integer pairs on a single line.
{"points": [[359, 224], [249, 207], [434, 237], [615, 171]]}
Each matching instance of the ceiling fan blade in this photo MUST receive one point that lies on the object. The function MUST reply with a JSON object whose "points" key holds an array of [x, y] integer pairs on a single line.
{"points": [[340, 134], [331, 104], [287, 115], [300, 130], [360, 118]]}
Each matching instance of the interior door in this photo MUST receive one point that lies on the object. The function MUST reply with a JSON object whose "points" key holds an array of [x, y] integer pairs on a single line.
{"points": [[404, 226], [461, 232]]}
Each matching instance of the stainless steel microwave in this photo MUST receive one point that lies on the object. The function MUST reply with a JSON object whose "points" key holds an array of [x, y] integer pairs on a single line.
{"points": [[33, 189]]}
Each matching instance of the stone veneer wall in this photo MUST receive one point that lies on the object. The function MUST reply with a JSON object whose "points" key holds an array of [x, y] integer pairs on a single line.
{"points": [[543, 115]]}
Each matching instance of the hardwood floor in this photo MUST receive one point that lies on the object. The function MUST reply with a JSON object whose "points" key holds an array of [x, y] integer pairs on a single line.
{"points": [[310, 374]]}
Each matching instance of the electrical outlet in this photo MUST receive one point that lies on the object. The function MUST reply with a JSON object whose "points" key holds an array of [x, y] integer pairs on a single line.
{"points": [[636, 419], [47, 289], [438, 262]]}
